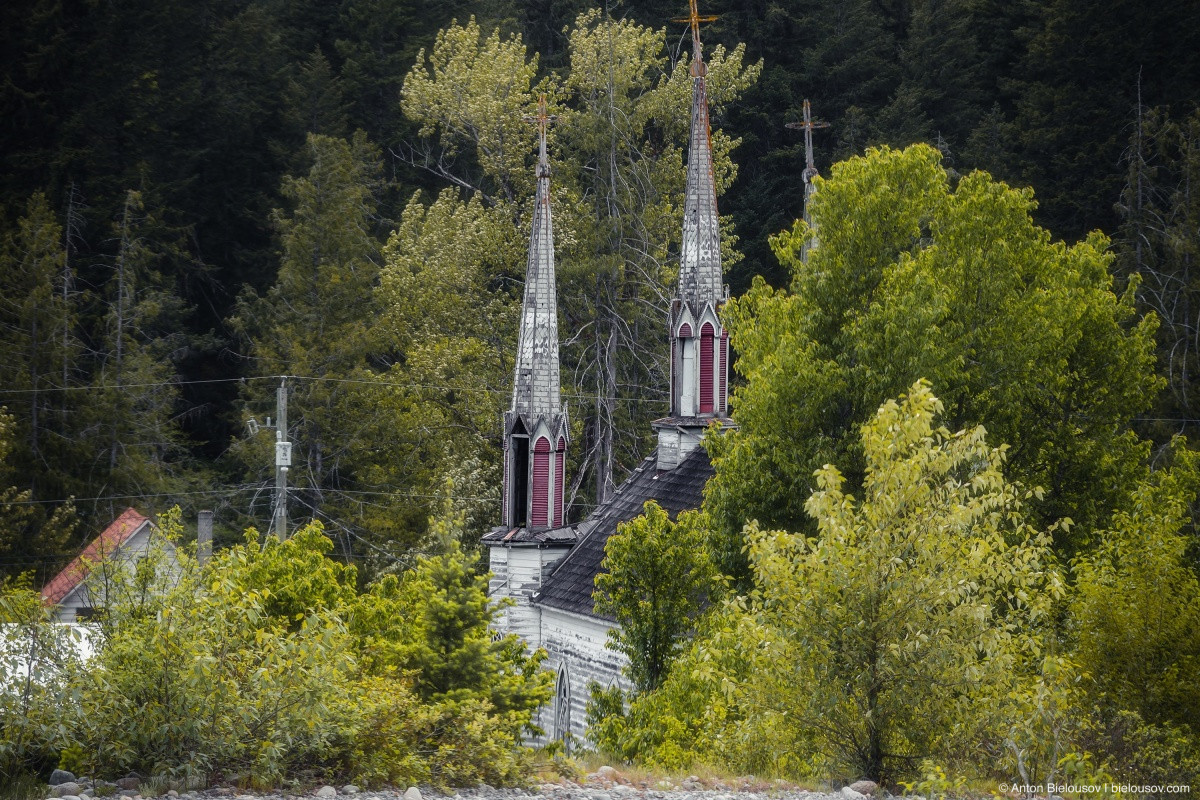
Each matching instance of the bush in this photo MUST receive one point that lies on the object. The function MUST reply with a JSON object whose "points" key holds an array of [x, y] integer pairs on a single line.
{"points": [[268, 661], [39, 663]]}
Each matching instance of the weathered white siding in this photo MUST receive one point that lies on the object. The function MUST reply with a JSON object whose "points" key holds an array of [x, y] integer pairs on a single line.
{"points": [[517, 573], [576, 642]]}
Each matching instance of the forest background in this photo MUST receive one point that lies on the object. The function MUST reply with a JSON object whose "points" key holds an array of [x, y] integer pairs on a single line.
{"points": [[199, 197]]}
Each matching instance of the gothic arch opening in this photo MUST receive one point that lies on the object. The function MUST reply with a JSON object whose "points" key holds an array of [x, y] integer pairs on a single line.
{"points": [[562, 707], [519, 498]]}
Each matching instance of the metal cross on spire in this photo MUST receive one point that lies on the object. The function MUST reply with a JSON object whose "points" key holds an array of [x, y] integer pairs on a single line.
{"points": [[543, 119], [808, 125], [694, 19]]}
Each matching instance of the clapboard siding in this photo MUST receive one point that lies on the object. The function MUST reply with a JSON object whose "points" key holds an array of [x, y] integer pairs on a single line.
{"points": [[517, 573], [579, 642]]}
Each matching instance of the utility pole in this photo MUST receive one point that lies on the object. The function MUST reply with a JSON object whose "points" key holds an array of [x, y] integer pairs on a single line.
{"points": [[204, 522], [283, 459]]}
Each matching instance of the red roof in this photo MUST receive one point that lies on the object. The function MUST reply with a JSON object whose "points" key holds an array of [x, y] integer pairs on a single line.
{"points": [[103, 545]]}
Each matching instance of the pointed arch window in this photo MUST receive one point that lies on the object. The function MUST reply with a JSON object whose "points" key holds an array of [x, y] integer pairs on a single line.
{"points": [[562, 707], [706, 368], [539, 516]]}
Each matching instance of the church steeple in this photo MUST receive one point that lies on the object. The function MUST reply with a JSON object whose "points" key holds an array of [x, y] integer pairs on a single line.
{"points": [[535, 427], [810, 169], [699, 341], [700, 250]]}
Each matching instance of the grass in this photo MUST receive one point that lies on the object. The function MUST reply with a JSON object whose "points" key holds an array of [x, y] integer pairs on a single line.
{"points": [[552, 769], [22, 786]]}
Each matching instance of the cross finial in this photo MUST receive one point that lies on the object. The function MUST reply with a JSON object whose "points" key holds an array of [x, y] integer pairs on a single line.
{"points": [[694, 19], [808, 126], [543, 120]]}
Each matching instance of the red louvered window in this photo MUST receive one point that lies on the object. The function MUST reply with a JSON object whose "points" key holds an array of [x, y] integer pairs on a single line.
{"points": [[685, 331], [706, 369], [559, 479], [724, 367], [541, 483]]}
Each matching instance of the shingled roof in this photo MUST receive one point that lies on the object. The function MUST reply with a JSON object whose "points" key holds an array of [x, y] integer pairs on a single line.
{"points": [[571, 584], [104, 545]]}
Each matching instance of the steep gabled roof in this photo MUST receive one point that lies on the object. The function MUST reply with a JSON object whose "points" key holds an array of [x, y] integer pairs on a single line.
{"points": [[104, 545], [571, 584]]}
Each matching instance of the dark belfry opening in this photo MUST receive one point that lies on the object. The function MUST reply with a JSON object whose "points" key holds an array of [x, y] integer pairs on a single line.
{"points": [[520, 481]]}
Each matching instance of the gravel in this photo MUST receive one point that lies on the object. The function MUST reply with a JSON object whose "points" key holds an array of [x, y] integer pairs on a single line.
{"points": [[601, 790]]}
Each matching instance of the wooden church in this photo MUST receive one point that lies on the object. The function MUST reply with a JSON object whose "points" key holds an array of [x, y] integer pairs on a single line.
{"points": [[545, 564]]}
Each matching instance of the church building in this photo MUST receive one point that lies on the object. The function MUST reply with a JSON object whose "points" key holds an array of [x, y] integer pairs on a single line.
{"points": [[544, 563]]}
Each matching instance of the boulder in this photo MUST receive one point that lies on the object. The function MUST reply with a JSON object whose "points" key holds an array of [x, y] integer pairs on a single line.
{"points": [[349, 788], [850, 794], [61, 776], [326, 791], [412, 793], [67, 789], [865, 787], [129, 782]]}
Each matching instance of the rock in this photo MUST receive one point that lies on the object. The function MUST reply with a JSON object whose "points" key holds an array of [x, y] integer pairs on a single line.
{"points": [[865, 787], [66, 789], [61, 776], [607, 773], [412, 793], [129, 782], [326, 791], [172, 793], [850, 794], [349, 788]]}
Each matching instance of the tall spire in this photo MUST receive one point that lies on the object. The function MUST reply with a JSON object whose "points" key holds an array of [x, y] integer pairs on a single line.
{"points": [[700, 250], [535, 428], [699, 340], [536, 389], [810, 167]]}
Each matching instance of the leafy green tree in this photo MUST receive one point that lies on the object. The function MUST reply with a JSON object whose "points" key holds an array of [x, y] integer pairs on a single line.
{"points": [[913, 605], [39, 661], [657, 580], [617, 159], [195, 673], [434, 622], [911, 279], [1136, 603], [904, 629], [452, 370]]}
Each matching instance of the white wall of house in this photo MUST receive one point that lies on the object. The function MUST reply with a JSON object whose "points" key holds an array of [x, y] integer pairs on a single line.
{"points": [[90, 593]]}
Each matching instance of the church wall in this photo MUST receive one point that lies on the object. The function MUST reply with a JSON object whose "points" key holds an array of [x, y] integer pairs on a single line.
{"points": [[577, 641], [518, 572]]}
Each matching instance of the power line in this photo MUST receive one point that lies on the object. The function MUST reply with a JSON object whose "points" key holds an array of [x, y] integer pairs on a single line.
{"points": [[316, 378]]}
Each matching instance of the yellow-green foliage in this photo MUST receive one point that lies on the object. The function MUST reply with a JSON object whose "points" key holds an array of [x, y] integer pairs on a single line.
{"points": [[1137, 602], [897, 632], [39, 662], [267, 660], [657, 579]]}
